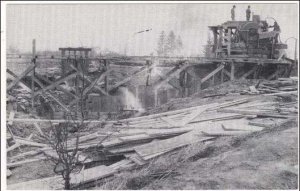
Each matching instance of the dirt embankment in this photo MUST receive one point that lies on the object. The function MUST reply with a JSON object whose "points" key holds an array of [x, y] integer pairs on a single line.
{"points": [[262, 160]]}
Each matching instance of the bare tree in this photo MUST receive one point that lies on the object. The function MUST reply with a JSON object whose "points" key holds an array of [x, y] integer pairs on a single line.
{"points": [[64, 143], [63, 139]]}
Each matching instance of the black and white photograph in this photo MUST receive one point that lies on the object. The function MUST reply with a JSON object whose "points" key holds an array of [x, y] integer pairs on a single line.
{"points": [[141, 95]]}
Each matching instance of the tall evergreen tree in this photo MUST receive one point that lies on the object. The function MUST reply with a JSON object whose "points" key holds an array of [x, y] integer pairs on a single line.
{"points": [[171, 44], [161, 44], [208, 47], [179, 45]]}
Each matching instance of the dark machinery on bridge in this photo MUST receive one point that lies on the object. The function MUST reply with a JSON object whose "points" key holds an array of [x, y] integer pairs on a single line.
{"points": [[247, 39]]}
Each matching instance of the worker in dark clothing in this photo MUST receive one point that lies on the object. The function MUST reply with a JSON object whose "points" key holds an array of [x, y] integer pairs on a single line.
{"points": [[276, 28], [248, 13], [233, 13]]}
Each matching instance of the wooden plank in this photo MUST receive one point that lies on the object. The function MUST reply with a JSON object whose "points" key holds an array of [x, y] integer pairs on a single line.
{"points": [[274, 75], [173, 82], [57, 101], [137, 159], [258, 113], [169, 121], [281, 93], [53, 154], [226, 73], [54, 120], [15, 164], [8, 173], [17, 80], [169, 144], [176, 70], [249, 72], [38, 128], [56, 182], [59, 87], [267, 125], [137, 72], [16, 145], [196, 113], [31, 143], [50, 95], [56, 83], [232, 71], [217, 117], [212, 73], [27, 154], [230, 103], [24, 86], [85, 77], [49, 183], [99, 79], [223, 133], [11, 117], [91, 174], [135, 137]]}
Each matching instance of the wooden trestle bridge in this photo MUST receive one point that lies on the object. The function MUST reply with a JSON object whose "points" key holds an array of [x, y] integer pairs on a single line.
{"points": [[180, 71]]}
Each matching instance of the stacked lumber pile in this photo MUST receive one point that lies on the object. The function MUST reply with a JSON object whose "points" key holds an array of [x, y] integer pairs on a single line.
{"points": [[275, 86], [142, 139]]}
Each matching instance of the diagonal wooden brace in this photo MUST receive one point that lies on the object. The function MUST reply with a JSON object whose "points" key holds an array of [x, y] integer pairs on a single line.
{"points": [[17, 80], [56, 83]]}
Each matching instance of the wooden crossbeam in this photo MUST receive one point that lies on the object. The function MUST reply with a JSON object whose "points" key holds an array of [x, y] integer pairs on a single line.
{"points": [[176, 70], [58, 86], [85, 77], [56, 83], [273, 75], [226, 72], [232, 71], [17, 80], [99, 79], [137, 72], [212, 73], [249, 72], [50, 95], [172, 82], [23, 85]]}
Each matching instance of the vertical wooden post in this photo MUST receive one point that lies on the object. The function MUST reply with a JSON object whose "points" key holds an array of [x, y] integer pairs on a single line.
{"points": [[137, 93], [220, 38], [229, 42], [222, 75], [106, 66], [215, 40], [77, 92], [33, 73], [185, 84], [296, 41], [232, 71], [155, 97]]}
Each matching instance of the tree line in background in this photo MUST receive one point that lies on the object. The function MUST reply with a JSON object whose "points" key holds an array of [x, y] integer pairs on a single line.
{"points": [[170, 45], [207, 49]]}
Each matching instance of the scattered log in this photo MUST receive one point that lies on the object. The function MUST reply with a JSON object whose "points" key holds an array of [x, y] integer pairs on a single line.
{"points": [[8, 173], [16, 145], [30, 143], [150, 150], [56, 182], [15, 164]]}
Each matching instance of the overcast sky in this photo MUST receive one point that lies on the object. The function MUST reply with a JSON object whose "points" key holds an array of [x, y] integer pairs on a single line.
{"points": [[111, 26]]}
